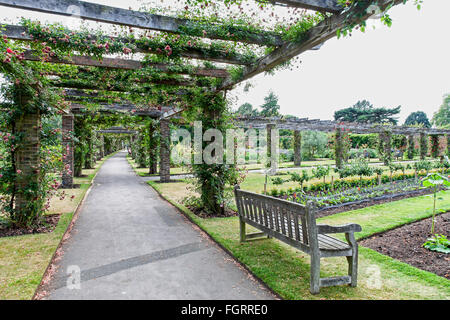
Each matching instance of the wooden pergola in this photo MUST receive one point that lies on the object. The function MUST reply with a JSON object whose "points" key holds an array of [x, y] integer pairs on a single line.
{"points": [[282, 51]]}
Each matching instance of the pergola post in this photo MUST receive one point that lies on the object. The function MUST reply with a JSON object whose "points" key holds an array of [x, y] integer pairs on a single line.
{"points": [[338, 148], [152, 148], [27, 161], [164, 166], [297, 148], [423, 146], [67, 142], [386, 147], [90, 151], [448, 144], [102, 146], [435, 146], [272, 146], [411, 145], [140, 157]]}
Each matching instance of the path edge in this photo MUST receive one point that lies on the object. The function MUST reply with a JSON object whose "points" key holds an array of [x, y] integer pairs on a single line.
{"points": [[38, 294], [181, 210]]}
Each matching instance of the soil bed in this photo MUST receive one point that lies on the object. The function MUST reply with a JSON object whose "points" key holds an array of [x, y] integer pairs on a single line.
{"points": [[405, 244], [48, 225]]}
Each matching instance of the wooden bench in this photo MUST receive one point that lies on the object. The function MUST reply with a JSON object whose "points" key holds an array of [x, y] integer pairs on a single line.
{"points": [[295, 224]]}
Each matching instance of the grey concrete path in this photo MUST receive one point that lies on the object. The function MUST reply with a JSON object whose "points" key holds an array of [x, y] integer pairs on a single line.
{"points": [[128, 243]]}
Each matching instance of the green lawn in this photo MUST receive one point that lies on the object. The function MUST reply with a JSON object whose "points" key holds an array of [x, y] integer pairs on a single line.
{"points": [[24, 259], [286, 270]]}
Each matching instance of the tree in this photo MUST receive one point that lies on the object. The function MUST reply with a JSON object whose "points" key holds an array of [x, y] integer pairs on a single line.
{"points": [[418, 118], [270, 108], [313, 143], [364, 112], [442, 117], [247, 110]]}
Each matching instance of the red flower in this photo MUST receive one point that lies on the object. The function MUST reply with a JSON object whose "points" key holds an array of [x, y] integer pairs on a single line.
{"points": [[9, 50]]}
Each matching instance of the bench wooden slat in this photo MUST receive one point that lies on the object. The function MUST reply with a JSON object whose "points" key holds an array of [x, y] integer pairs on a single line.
{"points": [[295, 225]]}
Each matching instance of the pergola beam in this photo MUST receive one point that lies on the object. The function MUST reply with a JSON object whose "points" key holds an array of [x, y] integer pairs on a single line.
{"points": [[123, 64], [317, 5], [130, 18], [324, 31], [15, 32], [119, 108]]}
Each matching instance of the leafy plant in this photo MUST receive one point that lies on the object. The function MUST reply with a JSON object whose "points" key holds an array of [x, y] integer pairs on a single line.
{"points": [[434, 180], [438, 243]]}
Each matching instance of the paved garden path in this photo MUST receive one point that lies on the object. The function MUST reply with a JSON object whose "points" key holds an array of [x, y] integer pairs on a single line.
{"points": [[128, 243]]}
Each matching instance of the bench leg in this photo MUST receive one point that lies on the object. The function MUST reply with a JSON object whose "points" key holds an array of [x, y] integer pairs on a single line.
{"points": [[353, 267], [315, 274], [242, 230]]}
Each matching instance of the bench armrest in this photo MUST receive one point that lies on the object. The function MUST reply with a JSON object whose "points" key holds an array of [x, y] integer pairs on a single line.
{"points": [[348, 228]]}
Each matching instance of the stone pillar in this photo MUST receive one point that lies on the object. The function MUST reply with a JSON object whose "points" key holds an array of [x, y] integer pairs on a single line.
{"points": [[435, 146], [297, 148], [411, 144], [27, 162], [90, 152], [67, 142], [423, 146], [152, 149], [102, 146], [338, 148], [164, 168], [387, 148], [272, 146], [448, 145]]}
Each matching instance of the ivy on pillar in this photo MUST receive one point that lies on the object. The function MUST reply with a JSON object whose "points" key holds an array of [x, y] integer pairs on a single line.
{"points": [[164, 150], [152, 147], [27, 164], [89, 156], [68, 146], [141, 155], [272, 146], [435, 146], [339, 148], [297, 148], [410, 150], [448, 145], [423, 146], [385, 147]]}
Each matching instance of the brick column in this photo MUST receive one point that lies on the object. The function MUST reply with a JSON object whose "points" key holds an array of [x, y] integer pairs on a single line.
{"points": [[272, 146], [27, 160], [67, 134], [423, 146], [164, 167], [297, 148], [152, 149]]}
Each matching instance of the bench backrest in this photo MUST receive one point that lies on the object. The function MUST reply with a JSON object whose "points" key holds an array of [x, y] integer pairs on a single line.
{"points": [[279, 215]]}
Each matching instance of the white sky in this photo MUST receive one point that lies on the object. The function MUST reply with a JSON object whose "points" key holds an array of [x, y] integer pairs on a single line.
{"points": [[405, 65]]}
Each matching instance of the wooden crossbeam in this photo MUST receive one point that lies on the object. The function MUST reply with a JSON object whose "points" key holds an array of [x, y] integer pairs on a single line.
{"points": [[20, 33], [124, 64], [324, 31], [330, 126], [120, 108], [130, 18], [317, 5]]}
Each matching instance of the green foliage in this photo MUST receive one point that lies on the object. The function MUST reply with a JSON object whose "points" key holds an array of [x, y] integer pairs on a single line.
{"points": [[364, 112], [441, 118], [438, 243], [270, 108], [314, 143], [418, 118]]}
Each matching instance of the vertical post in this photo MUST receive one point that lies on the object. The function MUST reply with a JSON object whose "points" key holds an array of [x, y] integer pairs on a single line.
{"points": [[67, 142], [272, 146], [338, 148], [27, 161], [164, 168], [387, 148], [89, 153], [102, 146], [423, 146], [297, 148], [435, 146], [152, 146], [410, 152], [448, 145]]}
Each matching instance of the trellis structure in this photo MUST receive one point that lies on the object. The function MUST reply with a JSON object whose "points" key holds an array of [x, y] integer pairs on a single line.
{"points": [[183, 77]]}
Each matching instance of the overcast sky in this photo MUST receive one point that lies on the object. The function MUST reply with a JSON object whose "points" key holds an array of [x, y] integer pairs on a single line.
{"points": [[405, 65]]}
